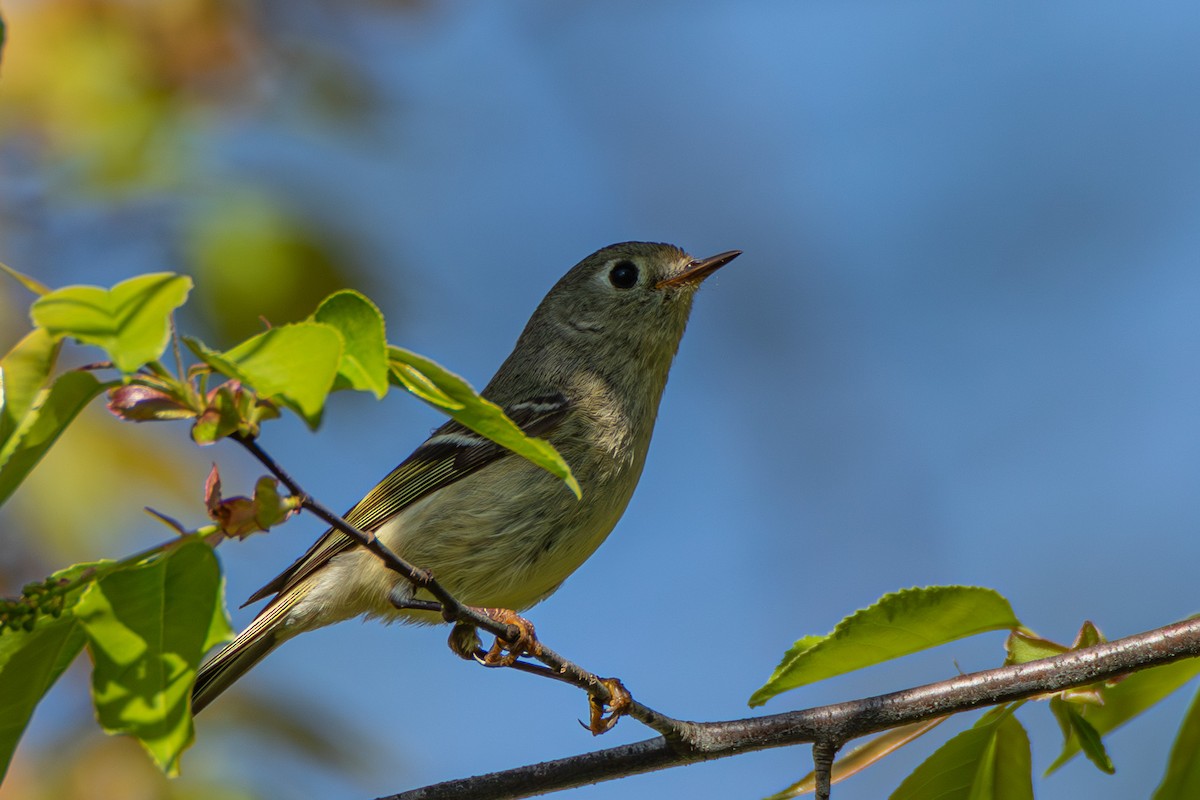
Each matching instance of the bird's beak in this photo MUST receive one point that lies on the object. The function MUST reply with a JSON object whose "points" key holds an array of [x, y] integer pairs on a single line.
{"points": [[698, 270]]}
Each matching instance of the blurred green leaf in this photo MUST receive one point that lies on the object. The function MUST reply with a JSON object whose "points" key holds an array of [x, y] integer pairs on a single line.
{"points": [[30, 663], [989, 761], [452, 395], [254, 259], [898, 624], [23, 372], [32, 284], [1182, 780], [47, 418], [1073, 725], [364, 360], [1125, 700], [295, 364], [131, 321], [148, 626]]}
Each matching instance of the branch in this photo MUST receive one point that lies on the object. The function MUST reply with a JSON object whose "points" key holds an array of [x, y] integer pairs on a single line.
{"points": [[602, 692], [837, 723]]}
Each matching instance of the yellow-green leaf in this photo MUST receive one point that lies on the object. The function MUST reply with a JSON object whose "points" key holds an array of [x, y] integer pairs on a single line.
{"points": [[990, 761], [455, 397], [131, 321], [148, 625], [30, 663], [1127, 699], [898, 624], [1182, 781], [23, 372], [364, 357], [292, 364], [47, 418]]}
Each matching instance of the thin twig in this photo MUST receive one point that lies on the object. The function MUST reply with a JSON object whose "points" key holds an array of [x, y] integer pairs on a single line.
{"points": [[823, 753], [452, 610], [841, 722]]}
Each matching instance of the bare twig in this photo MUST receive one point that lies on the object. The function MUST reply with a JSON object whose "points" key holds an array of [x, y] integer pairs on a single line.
{"points": [[823, 754], [840, 722], [454, 611]]}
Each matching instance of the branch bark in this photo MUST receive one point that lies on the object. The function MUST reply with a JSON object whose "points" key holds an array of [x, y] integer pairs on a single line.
{"points": [[840, 722]]}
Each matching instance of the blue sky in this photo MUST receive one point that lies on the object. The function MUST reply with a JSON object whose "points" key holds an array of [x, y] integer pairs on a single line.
{"points": [[961, 345]]}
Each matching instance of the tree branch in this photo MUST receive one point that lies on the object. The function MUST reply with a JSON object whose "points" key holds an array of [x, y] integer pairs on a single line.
{"points": [[840, 722], [454, 611]]}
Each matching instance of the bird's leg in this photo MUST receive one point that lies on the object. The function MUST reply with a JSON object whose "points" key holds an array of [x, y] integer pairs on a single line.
{"points": [[464, 640]]}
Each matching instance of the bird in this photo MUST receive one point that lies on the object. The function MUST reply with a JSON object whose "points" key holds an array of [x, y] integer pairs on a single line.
{"points": [[587, 374]]}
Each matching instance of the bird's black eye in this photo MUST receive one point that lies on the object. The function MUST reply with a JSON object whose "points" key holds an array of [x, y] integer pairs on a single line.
{"points": [[623, 275]]}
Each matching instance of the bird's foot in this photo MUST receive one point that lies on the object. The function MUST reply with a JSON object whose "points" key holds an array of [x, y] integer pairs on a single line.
{"points": [[617, 704], [464, 640]]}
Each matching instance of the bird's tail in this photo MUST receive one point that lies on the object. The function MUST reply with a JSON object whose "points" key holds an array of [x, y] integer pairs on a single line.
{"points": [[262, 636]]}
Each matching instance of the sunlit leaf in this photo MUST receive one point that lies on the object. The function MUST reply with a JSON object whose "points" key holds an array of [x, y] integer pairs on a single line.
{"points": [[23, 372], [30, 663], [862, 756], [294, 364], [898, 624], [451, 394], [364, 359], [148, 626], [48, 417], [1125, 700], [1182, 781], [131, 321], [989, 761]]}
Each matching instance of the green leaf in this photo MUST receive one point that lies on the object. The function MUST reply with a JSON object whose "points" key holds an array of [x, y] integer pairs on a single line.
{"points": [[364, 360], [47, 418], [452, 395], [131, 321], [32, 284], [1072, 723], [30, 663], [897, 625], [1023, 647], [1124, 701], [23, 372], [1182, 780], [148, 626], [293, 364], [989, 761]]}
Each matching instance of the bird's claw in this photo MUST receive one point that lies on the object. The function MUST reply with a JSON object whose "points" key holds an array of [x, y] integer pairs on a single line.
{"points": [[504, 653], [464, 640], [617, 704]]}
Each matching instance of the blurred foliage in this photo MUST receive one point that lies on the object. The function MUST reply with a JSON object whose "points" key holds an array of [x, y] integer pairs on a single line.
{"points": [[258, 262], [115, 110], [110, 109], [86, 765], [132, 116]]}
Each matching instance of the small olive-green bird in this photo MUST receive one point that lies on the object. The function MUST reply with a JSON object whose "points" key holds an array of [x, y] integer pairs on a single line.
{"points": [[497, 531]]}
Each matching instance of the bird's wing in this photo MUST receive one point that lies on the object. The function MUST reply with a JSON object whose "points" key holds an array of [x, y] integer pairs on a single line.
{"points": [[452, 453]]}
